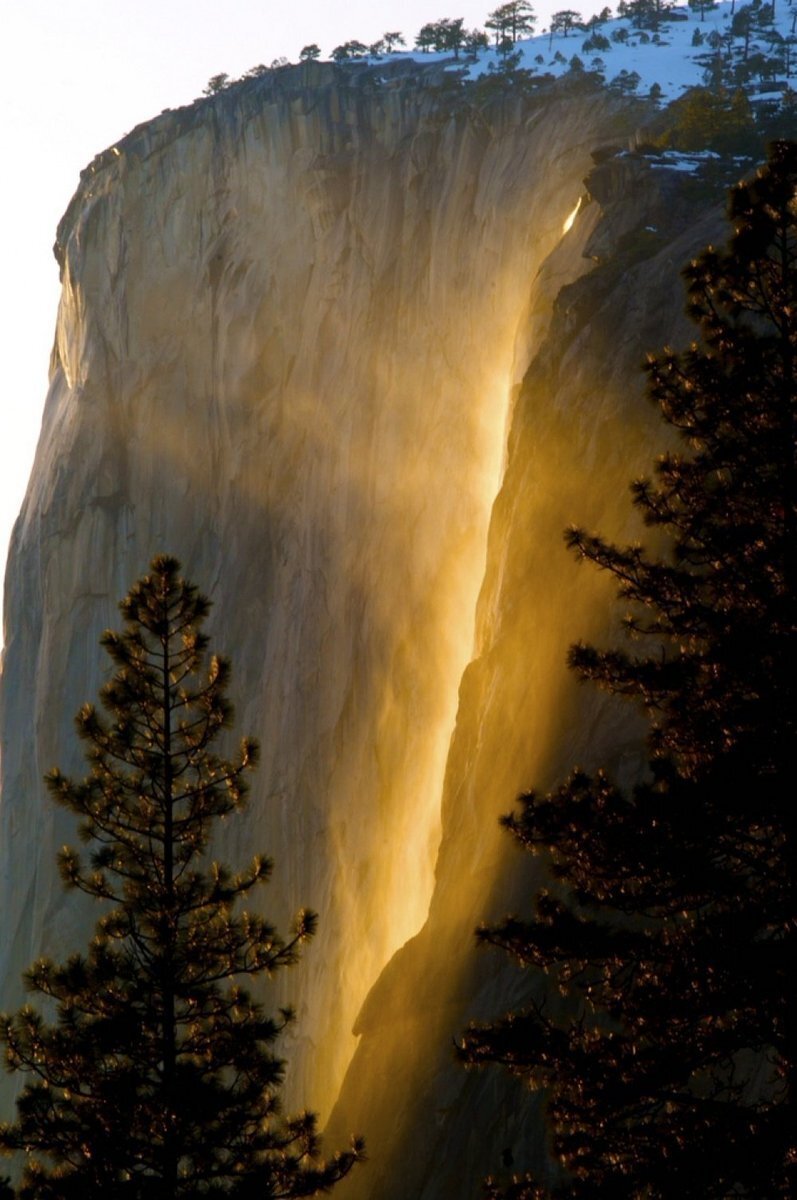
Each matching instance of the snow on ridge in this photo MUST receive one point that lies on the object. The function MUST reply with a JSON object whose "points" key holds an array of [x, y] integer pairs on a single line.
{"points": [[667, 58]]}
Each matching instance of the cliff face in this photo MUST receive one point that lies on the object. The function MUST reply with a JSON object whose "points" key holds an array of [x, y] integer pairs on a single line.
{"points": [[581, 431], [289, 350]]}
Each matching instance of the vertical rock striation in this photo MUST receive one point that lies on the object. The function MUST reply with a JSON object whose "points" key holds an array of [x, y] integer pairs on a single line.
{"points": [[293, 323]]}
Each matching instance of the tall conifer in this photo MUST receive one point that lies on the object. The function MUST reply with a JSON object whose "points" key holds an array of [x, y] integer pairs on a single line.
{"points": [[158, 1077], [670, 921]]}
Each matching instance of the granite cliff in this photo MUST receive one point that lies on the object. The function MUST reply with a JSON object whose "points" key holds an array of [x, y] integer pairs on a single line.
{"points": [[326, 340]]}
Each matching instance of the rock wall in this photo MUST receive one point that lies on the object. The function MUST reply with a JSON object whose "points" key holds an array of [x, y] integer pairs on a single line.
{"points": [[581, 431], [294, 323]]}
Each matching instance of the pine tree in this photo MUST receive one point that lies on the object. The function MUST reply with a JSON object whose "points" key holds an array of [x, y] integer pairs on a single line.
{"points": [[646, 14], [563, 21], [669, 924], [511, 22], [158, 1078]]}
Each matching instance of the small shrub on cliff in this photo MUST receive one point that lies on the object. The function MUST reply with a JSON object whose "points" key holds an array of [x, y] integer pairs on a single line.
{"points": [[596, 44], [158, 1078], [217, 83], [476, 42], [625, 83], [671, 918], [349, 50], [392, 41]]}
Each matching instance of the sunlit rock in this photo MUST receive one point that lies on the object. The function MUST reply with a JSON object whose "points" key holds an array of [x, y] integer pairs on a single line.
{"points": [[292, 332]]}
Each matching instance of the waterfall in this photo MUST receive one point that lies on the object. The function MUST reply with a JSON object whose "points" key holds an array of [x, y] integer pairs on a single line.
{"points": [[291, 337]]}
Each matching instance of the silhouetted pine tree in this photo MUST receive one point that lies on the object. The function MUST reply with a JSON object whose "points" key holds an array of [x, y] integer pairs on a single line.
{"points": [[670, 925], [158, 1077]]}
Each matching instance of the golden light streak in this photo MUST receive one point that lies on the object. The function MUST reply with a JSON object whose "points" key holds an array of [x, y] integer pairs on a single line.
{"points": [[568, 225], [349, 414]]}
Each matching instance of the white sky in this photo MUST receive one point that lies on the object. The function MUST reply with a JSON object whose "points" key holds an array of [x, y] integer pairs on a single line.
{"points": [[77, 74]]}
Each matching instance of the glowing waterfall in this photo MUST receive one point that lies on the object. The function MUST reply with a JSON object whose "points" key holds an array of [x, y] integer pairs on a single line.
{"points": [[290, 334], [568, 225]]}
